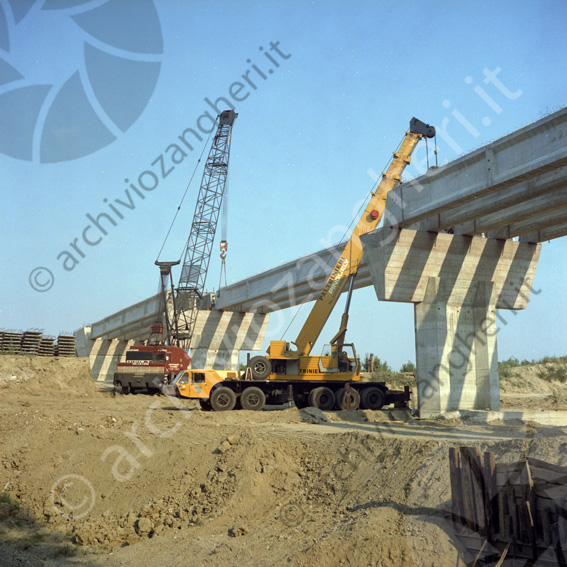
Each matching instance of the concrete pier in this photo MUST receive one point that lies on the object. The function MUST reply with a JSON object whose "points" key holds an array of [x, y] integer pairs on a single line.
{"points": [[456, 283]]}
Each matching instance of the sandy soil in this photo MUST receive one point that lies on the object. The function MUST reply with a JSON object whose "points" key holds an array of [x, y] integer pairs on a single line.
{"points": [[92, 478]]}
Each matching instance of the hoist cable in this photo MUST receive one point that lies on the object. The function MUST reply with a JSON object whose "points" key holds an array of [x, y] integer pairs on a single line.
{"points": [[206, 145]]}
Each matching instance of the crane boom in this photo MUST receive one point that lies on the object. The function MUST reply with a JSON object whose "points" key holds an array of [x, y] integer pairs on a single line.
{"points": [[203, 229], [349, 261]]}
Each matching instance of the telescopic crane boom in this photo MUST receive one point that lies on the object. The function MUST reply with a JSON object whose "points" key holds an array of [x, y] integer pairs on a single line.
{"points": [[347, 265]]}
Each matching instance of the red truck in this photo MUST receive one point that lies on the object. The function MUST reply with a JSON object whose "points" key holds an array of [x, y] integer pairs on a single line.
{"points": [[150, 367]]}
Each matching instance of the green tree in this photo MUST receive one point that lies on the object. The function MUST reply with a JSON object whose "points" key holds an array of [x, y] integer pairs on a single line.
{"points": [[409, 366]]}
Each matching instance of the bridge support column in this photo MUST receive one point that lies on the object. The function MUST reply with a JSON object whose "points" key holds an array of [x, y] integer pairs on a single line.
{"points": [[456, 283], [456, 351]]}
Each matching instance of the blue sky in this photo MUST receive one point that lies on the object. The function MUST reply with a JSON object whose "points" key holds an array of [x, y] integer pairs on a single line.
{"points": [[350, 77]]}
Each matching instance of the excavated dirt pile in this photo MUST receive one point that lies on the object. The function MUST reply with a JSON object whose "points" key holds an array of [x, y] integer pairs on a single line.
{"points": [[93, 478]]}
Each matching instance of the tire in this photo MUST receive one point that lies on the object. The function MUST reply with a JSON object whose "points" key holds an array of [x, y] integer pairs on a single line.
{"points": [[300, 402], [373, 398], [322, 398], [260, 367], [252, 399], [205, 405], [223, 399], [347, 400]]}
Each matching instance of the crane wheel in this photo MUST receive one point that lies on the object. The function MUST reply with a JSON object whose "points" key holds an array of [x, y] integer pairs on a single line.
{"points": [[260, 367], [223, 399], [347, 400], [124, 389], [322, 398], [373, 398], [205, 405], [252, 399]]}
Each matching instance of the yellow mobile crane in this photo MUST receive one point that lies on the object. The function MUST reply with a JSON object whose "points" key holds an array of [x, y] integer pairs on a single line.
{"points": [[332, 379]]}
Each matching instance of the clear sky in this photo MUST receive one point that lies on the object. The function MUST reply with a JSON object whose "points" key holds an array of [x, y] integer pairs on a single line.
{"points": [[93, 93]]}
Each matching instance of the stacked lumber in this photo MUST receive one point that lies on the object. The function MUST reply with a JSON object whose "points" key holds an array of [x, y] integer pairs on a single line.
{"points": [[506, 511]]}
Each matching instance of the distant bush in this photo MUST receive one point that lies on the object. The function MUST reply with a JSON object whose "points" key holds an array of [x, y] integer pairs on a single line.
{"points": [[409, 366], [505, 367], [555, 367], [554, 372]]}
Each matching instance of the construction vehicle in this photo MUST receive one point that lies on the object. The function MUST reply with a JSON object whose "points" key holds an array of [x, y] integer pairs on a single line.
{"points": [[332, 379], [151, 366], [154, 365]]}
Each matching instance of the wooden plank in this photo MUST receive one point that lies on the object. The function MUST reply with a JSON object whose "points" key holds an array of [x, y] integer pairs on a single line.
{"points": [[503, 514], [491, 494], [561, 511], [531, 508], [545, 475], [456, 489], [547, 466], [546, 526], [479, 489], [467, 490], [550, 491], [512, 512]]}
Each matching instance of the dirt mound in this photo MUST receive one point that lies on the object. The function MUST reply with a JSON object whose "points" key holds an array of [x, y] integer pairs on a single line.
{"points": [[36, 375], [150, 480], [532, 386]]}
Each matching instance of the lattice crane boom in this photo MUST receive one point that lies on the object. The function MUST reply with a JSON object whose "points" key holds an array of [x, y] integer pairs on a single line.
{"points": [[197, 251]]}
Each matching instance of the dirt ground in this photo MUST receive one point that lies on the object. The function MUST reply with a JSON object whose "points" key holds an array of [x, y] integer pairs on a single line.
{"points": [[91, 478]]}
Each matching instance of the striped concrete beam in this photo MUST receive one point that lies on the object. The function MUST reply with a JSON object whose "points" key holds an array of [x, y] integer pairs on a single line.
{"points": [[402, 261]]}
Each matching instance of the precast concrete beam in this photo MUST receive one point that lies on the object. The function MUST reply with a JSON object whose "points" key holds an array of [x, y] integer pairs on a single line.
{"points": [[447, 191], [533, 224], [295, 282], [462, 218], [131, 321], [542, 235], [538, 207], [456, 283]]}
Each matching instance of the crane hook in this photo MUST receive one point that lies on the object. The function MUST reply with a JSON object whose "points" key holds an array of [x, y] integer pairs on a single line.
{"points": [[223, 248]]}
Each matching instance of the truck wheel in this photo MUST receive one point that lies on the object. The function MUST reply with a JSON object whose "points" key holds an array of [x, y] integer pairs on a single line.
{"points": [[347, 400], [205, 405], [322, 398], [261, 367], [125, 389], [300, 402], [373, 398], [252, 399], [223, 399]]}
